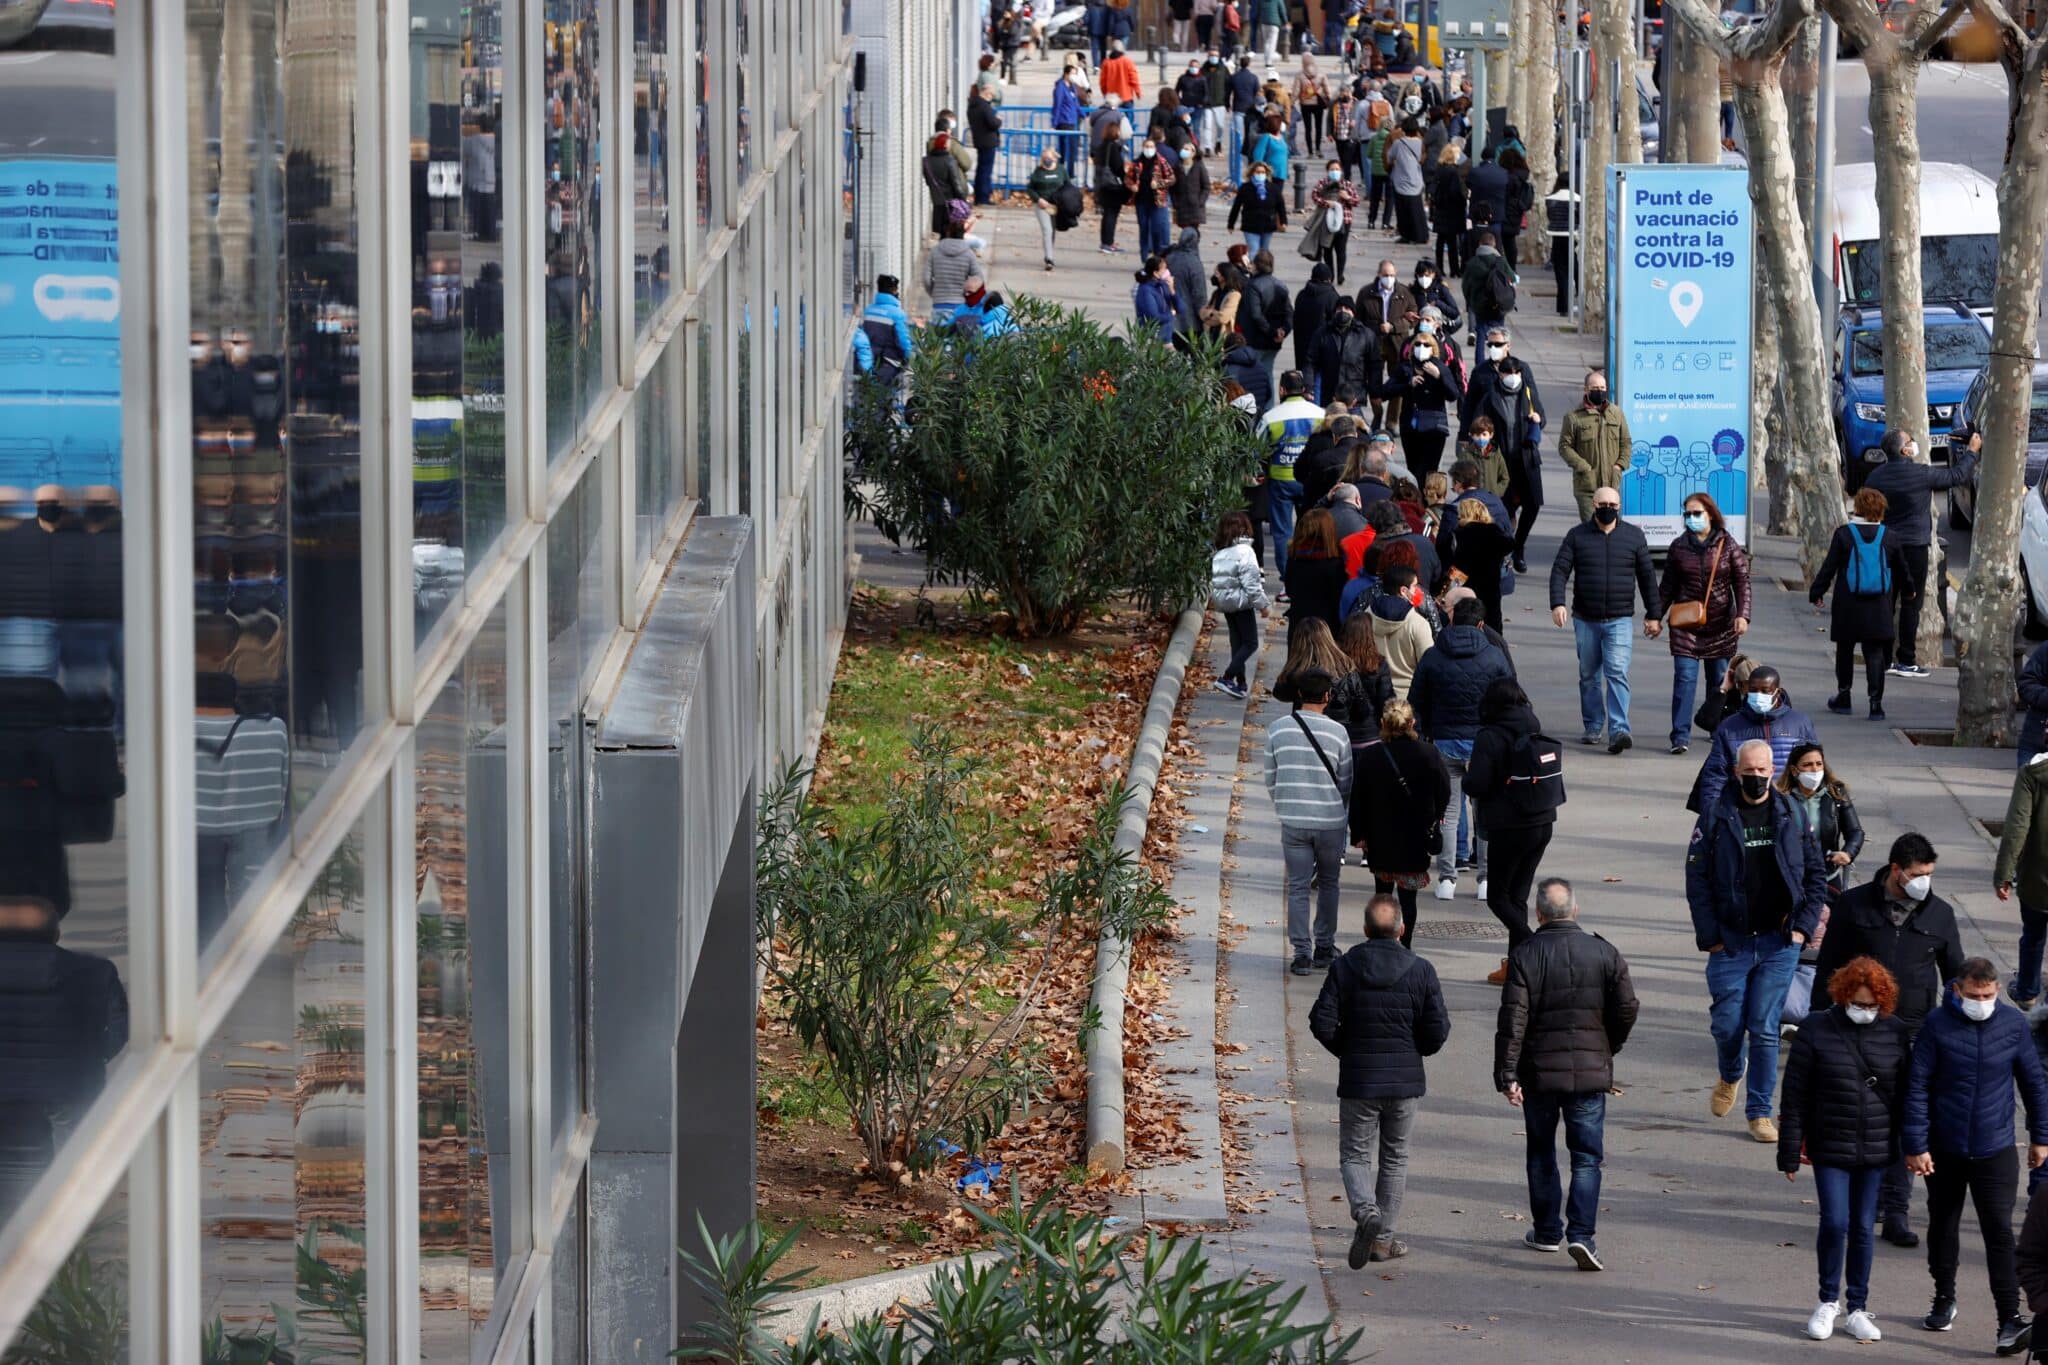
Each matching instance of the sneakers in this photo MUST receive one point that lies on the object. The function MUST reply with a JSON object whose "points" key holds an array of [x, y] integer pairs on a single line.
{"points": [[1536, 1241], [1839, 704], [1499, 975], [1447, 889], [1900, 1233], [1389, 1248], [1941, 1316], [1909, 671], [1362, 1237], [1619, 744], [2025, 1002], [1282, 598], [1861, 1326], [1584, 1256], [1763, 1129], [1821, 1325], [1723, 1100], [1679, 748], [2014, 1335], [1482, 889], [1229, 688], [1300, 965], [1591, 739], [1325, 956]]}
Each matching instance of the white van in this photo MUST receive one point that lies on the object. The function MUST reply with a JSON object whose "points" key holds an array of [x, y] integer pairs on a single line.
{"points": [[1958, 235]]}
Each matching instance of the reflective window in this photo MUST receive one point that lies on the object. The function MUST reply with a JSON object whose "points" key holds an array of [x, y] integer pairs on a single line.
{"points": [[276, 425], [655, 485], [63, 854], [573, 239], [458, 297], [740, 261], [710, 208], [83, 1314], [707, 335], [849, 190], [650, 156], [576, 628], [282, 1117], [465, 1084], [571, 1329], [746, 86]]}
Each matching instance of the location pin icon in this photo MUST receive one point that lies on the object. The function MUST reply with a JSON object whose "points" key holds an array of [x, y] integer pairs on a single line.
{"points": [[1685, 301]]}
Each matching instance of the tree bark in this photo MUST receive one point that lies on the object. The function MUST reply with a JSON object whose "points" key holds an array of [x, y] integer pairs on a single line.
{"points": [[1769, 461], [1802, 95], [1616, 137], [1539, 134], [1520, 41], [1614, 17], [1984, 613], [1692, 104]]}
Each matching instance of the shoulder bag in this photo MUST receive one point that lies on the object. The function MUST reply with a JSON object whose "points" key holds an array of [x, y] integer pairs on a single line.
{"points": [[1310, 735], [1693, 615], [1433, 834]]}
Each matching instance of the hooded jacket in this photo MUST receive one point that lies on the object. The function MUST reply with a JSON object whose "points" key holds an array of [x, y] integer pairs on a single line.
{"points": [[1959, 1095], [2023, 845], [1402, 637], [1782, 727], [1313, 306], [1567, 1008], [1340, 355], [1451, 679], [1184, 261], [1830, 1105], [1486, 772], [1191, 199], [1923, 954], [1717, 887], [883, 336], [1381, 1011]]}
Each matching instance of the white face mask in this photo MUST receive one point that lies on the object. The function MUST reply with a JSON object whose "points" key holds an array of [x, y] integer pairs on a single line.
{"points": [[1423, 352], [1980, 1010], [1496, 353], [1861, 1014], [1511, 382], [1810, 781], [1918, 887]]}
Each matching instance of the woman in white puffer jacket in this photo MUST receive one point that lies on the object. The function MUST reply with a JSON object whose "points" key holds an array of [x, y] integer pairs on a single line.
{"points": [[1237, 588]]}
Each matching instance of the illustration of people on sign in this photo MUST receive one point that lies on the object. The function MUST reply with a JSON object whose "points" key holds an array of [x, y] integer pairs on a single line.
{"points": [[1642, 488], [1729, 486]]}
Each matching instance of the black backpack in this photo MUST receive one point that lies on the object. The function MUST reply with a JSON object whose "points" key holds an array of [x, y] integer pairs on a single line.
{"points": [[1535, 768], [1499, 288]]}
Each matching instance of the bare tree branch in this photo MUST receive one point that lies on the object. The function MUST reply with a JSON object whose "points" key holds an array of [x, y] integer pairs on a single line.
{"points": [[1860, 21], [1701, 23], [1933, 33], [1771, 39], [1994, 13]]}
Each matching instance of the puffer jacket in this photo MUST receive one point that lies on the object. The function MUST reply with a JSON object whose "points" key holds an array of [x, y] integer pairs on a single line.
{"points": [[1686, 565], [1717, 889], [1486, 773], [1922, 954], [1566, 1009], [63, 1014], [1959, 1096], [1357, 701], [1402, 636], [1783, 728], [1381, 1011], [1452, 679], [1235, 582], [1607, 571], [2023, 846], [1830, 1104]]}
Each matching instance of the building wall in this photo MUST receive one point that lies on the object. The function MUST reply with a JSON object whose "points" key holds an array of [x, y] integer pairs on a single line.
{"points": [[420, 374]]}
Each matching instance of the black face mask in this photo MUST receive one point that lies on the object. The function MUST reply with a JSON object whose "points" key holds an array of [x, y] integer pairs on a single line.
{"points": [[1607, 516], [1596, 399], [1755, 786]]}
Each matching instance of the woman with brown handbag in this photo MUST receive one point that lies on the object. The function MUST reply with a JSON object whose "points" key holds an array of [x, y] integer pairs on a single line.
{"points": [[1705, 593]]}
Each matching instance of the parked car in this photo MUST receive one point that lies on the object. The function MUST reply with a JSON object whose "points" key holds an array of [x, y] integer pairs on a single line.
{"points": [[1957, 346], [2034, 554], [1962, 502]]}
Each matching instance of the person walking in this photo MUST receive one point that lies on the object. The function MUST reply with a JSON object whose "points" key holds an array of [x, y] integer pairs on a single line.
{"points": [[1450, 682], [1344, 350], [1867, 570], [985, 130], [1308, 777], [1957, 1136], [1404, 169], [1607, 562], [2033, 686], [1314, 578], [1908, 486], [1479, 557], [1755, 883], [1766, 713], [1118, 75], [1566, 1008], [1387, 309], [2022, 868], [1259, 207], [1266, 317], [1361, 695], [1705, 595], [1335, 198], [1380, 1012], [1404, 781], [1897, 919], [1111, 161], [1047, 182], [1593, 441], [1285, 428], [1515, 780], [1822, 800], [1238, 590], [1190, 192], [1270, 20], [1489, 283], [1449, 208], [1428, 388], [1845, 1088], [1502, 390], [1314, 305], [1312, 101], [1399, 626]]}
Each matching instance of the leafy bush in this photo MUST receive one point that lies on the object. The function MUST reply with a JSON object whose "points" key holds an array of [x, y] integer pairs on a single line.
{"points": [[1057, 467], [876, 941], [1057, 1287]]}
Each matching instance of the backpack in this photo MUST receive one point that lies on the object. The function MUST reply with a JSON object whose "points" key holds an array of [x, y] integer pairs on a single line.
{"points": [[1498, 292], [1535, 783], [1232, 21], [1867, 570]]}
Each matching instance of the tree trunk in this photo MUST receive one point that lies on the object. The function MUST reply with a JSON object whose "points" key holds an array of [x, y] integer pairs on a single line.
{"points": [[1540, 132], [1614, 17], [1521, 37], [1692, 104], [1496, 82], [1768, 461], [1802, 104], [1599, 150], [1984, 615]]}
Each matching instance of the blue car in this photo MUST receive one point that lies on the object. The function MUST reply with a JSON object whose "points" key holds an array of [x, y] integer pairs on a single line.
{"points": [[1957, 347]]}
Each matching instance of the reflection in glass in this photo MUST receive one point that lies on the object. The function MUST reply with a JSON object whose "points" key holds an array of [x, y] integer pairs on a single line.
{"points": [[576, 629], [460, 862], [651, 158], [709, 209], [741, 263], [83, 1315], [63, 855], [458, 298], [571, 128], [655, 456], [571, 1289], [743, 85], [281, 1125]]}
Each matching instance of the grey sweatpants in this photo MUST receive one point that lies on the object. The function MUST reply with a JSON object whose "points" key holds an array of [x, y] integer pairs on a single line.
{"points": [[1369, 1129]]}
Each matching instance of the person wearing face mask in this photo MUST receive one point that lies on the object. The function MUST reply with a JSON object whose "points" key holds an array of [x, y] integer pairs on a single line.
{"points": [[1190, 193], [1259, 207], [1766, 714], [1335, 198], [1897, 919], [1477, 447], [1314, 304], [1044, 188], [1845, 1088], [1755, 883], [1427, 388], [1607, 563], [1908, 484], [2022, 868], [1822, 800], [1957, 1134], [1399, 629], [1386, 308], [985, 130], [1705, 592], [1866, 568], [1594, 443], [1431, 291], [1343, 353], [1069, 98], [1148, 185]]}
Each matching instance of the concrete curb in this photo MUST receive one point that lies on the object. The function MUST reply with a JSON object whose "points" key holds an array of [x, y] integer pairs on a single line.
{"points": [[1112, 958], [867, 1297]]}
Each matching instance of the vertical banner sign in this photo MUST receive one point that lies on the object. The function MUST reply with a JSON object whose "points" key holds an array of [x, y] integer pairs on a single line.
{"points": [[1680, 260]]}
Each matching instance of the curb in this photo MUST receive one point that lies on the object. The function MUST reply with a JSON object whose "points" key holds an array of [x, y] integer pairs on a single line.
{"points": [[1105, 1143], [867, 1297]]}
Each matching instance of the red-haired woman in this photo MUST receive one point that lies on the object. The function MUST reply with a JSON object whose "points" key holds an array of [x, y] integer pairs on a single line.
{"points": [[1845, 1086]]}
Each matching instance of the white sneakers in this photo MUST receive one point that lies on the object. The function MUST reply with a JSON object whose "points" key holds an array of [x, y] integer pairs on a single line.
{"points": [[1482, 888], [1858, 1324], [1446, 889]]}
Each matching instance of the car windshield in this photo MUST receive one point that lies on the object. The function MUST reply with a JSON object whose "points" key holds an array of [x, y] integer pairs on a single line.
{"points": [[1958, 269], [1950, 346]]}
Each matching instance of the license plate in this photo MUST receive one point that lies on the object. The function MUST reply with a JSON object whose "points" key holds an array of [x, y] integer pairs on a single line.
{"points": [[1937, 441]]}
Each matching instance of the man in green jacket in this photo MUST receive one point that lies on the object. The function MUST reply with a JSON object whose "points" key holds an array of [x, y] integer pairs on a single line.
{"points": [[1595, 443], [2023, 866]]}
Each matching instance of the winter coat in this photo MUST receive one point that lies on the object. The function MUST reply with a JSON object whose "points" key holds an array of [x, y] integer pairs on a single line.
{"points": [[943, 178], [1265, 311], [1191, 201], [1566, 1009], [1907, 486], [1959, 1094], [1119, 77], [984, 124], [1608, 570], [1494, 475], [1858, 617], [1449, 204], [2023, 845], [1340, 358], [1439, 294], [1235, 583], [1395, 311], [1687, 565], [1184, 261], [1313, 586], [1192, 89], [63, 1014], [1831, 1104], [1066, 105], [1259, 213], [1159, 191], [1390, 818], [1450, 681], [884, 336], [1342, 193], [1486, 183], [1242, 366], [1836, 827], [1596, 447], [1381, 1011], [1312, 308], [1402, 636], [1782, 727], [1358, 699], [1922, 955], [946, 268], [1717, 889], [1514, 436], [1425, 407], [2033, 684], [1486, 772], [1482, 264], [1153, 300]]}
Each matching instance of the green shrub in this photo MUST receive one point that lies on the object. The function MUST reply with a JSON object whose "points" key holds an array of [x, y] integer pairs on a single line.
{"points": [[1056, 468]]}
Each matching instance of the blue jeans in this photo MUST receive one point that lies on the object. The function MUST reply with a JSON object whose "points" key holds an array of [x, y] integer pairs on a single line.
{"points": [[2026, 983], [1457, 753], [1256, 242], [1848, 1206], [1155, 229], [1604, 648], [1585, 1117], [1685, 686], [1283, 502], [1748, 981]]}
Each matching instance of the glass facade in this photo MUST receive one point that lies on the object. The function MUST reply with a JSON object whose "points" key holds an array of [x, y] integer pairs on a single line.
{"points": [[303, 704]]}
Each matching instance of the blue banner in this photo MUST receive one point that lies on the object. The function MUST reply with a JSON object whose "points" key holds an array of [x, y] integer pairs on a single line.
{"points": [[1680, 261]]}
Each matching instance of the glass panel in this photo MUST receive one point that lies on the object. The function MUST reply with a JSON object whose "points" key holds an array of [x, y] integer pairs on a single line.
{"points": [[710, 208], [741, 263], [576, 629], [458, 298], [655, 455], [63, 842], [849, 193], [276, 424], [465, 1109], [571, 127], [650, 156], [745, 86], [706, 337], [83, 1314], [570, 1291], [281, 1121]]}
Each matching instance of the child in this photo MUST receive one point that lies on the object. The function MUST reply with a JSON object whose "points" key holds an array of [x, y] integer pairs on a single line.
{"points": [[1481, 449], [1238, 590]]}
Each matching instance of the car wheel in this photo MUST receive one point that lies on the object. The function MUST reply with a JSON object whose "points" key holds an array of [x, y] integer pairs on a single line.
{"points": [[1958, 519]]}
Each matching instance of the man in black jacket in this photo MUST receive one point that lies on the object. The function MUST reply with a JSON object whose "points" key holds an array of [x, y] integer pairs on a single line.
{"points": [[985, 129], [1380, 1013], [1908, 486], [1450, 681], [1264, 313], [1610, 561], [1566, 1009], [1896, 918]]}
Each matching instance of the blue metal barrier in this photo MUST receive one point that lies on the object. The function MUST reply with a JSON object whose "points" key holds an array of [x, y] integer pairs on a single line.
{"points": [[1028, 131]]}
